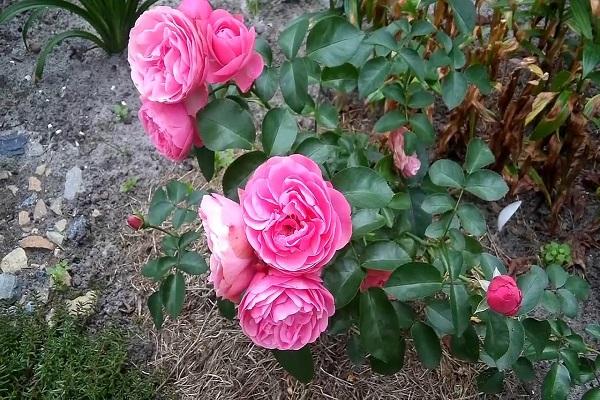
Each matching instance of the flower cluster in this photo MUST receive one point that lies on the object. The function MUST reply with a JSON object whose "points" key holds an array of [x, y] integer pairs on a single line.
{"points": [[269, 250], [174, 54]]}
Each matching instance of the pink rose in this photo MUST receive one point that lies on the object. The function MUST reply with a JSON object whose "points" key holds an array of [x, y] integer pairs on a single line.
{"points": [[166, 55], [232, 262], [285, 312], [170, 128], [374, 278], [295, 220], [195, 9], [407, 165], [504, 296], [230, 47]]}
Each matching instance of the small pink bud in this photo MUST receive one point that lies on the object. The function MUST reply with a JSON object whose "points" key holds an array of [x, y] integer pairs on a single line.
{"points": [[135, 222], [504, 296]]}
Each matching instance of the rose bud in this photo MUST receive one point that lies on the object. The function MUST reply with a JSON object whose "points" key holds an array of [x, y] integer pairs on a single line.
{"points": [[504, 296], [135, 222]]}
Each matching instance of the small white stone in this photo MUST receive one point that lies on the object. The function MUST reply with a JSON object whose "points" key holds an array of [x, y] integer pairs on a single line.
{"points": [[56, 206], [27, 77], [55, 237], [40, 210], [61, 225], [96, 213], [14, 261], [4, 175], [24, 218], [58, 131], [34, 184], [40, 169], [13, 189], [49, 125]]}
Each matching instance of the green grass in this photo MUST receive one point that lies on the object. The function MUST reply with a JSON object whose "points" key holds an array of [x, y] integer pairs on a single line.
{"points": [[66, 361]]}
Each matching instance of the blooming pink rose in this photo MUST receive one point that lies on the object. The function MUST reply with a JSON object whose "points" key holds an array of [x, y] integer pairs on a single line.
{"points": [[374, 278], [407, 165], [504, 296], [166, 55], [285, 312], [232, 262], [170, 128], [230, 47], [195, 9], [295, 220]]}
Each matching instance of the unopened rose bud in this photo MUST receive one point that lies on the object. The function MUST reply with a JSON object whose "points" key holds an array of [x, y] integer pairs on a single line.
{"points": [[135, 222], [504, 296]]}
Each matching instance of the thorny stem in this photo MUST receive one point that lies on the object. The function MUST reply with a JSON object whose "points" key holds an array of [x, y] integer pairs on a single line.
{"points": [[256, 99], [453, 212], [158, 228], [416, 238]]}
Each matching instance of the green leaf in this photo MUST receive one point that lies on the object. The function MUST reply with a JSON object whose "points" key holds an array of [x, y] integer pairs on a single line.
{"points": [[581, 12], [298, 363], [471, 219], [343, 78], [427, 345], [372, 75], [291, 38], [438, 203], [363, 187], [327, 116], [186, 239], [478, 155], [447, 173], [378, 325], [293, 80], [490, 381], [206, 161], [423, 128], [182, 216], [557, 275], [239, 171], [578, 286], [414, 60], [226, 308], [439, 316], [156, 309], [384, 256], [343, 279], [422, 28], [594, 330], [524, 369], [390, 121], [477, 75], [532, 286], [538, 333], [464, 12], [592, 394], [555, 118], [568, 303], [390, 368], [262, 47], [158, 267], [444, 40], [317, 150], [460, 306], [454, 88], [420, 99], [489, 263], [226, 125], [266, 85], [177, 191], [333, 41], [365, 221], [591, 58], [172, 291], [414, 281], [160, 207], [279, 131], [192, 263], [466, 346], [486, 184], [382, 37], [550, 302], [496, 336], [404, 313], [557, 383]]}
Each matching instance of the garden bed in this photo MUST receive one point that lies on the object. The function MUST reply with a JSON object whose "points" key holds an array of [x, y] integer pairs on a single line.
{"points": [[91, 168]]}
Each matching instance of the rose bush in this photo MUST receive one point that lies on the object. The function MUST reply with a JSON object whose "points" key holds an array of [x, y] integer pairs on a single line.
{"points": [[327, 230]]}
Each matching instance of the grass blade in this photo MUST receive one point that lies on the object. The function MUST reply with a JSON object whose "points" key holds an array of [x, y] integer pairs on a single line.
{"points": [[41, 61], [34, 16]]}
